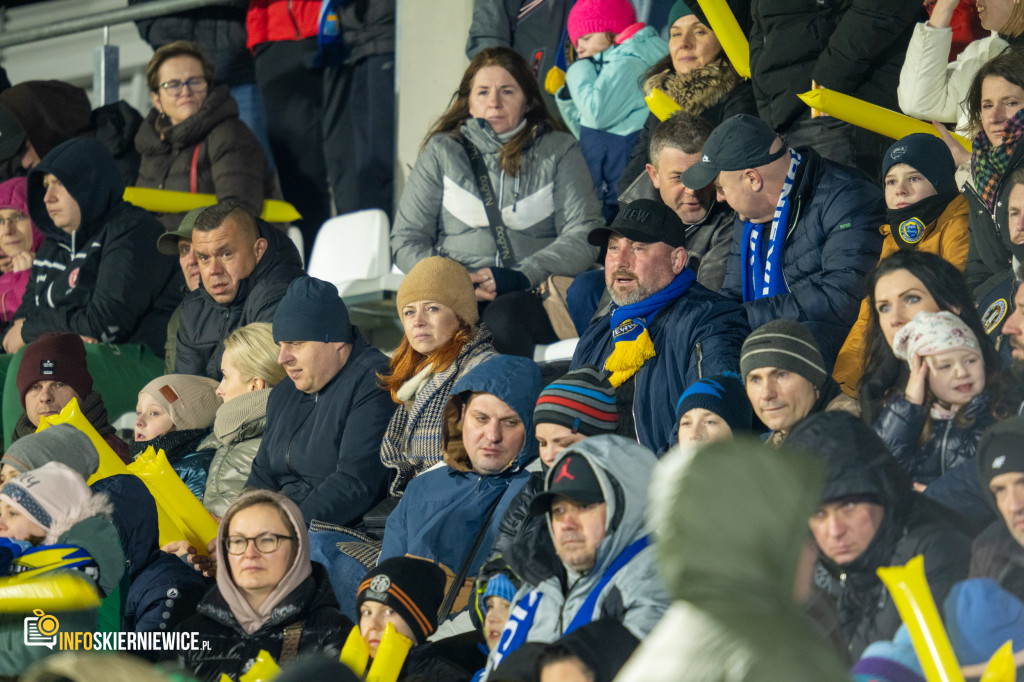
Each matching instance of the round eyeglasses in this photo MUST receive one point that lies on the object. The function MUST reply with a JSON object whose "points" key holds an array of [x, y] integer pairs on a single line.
{"points": [[266, 543], [194, 84]]}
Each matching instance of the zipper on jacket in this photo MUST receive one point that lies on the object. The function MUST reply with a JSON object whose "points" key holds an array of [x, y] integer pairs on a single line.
{"points": [[942, 450], [295, 24], [699, 348]]}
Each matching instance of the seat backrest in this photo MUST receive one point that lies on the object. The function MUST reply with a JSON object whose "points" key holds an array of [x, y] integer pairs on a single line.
{"points": [[351, 247]]}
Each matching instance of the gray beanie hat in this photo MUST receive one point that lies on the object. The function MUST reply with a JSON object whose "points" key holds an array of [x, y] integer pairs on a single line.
{"points": [[787, 345], [312, 310], [61, 443]]}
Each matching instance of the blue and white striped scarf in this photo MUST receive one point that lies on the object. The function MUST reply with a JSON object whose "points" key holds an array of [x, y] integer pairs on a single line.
{"points": [[762, 275]]}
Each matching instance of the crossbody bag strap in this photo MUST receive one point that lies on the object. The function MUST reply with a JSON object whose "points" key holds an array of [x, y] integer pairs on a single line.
{"points": [[194, 174], [290, 647], [490, 199], [460, 577]]}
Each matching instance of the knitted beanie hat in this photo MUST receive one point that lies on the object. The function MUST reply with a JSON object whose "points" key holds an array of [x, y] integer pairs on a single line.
{"points": [[47, 494], [412, 587], [787, 345], [999, 451], [933, 333], [723, 394], [442, 280], [980, 617], [59, 443], [926, 154], [190, 401], [582, 401], [312, 310], [684, 9], [55, 357], [886, 661], [600, 16], [498, 586]]}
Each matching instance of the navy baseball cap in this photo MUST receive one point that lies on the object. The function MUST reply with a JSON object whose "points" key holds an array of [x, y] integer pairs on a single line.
{"points": [[643, 220], [738, 143]]}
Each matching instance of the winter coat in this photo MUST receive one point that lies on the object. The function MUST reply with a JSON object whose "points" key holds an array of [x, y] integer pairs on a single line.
{"points": [[624, 577], [184, 453], [413, 440], [232, 651], [856, 47], [273, 20], [996, 554], [226, 156], [708, 244], [444, 510], [697, 335], [105, 280], [989, 252], [205, 323], [322, 450], [237, 434], [732, 568], [14, 194], [164, 589], [946, 236], [523, 540], [603, 93], [549, 208], [933, 88], [832, 242], [367, 29]]}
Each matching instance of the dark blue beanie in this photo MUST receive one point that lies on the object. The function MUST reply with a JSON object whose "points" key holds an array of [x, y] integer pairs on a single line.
{"points": [[926, 154], [312, 310], [723, 394]]}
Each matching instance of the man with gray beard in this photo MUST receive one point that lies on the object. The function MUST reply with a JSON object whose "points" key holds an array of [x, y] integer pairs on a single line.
{"points": [[665, 330]]}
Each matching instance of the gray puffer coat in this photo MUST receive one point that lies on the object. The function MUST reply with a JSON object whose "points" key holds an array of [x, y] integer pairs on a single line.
{"points": [[237, 434]]}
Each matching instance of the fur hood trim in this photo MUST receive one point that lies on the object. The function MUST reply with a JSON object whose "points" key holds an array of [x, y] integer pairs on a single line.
{"points": [[698, 90], [96, 505]]}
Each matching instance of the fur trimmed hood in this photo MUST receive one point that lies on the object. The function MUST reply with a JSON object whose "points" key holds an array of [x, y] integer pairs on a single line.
{"points": [[98, 504], [699, 90]]}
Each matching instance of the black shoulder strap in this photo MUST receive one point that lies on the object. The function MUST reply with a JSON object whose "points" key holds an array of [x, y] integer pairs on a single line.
{"points": [[460, 577], [483, 183]]}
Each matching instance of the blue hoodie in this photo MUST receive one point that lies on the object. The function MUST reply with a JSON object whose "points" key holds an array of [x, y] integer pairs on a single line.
{"points": [[444, 509]]}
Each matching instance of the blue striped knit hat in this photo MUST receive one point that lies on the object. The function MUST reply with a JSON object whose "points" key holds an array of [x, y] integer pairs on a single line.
{"points": [[47, 494], [499, 586], [582, 401], [723, 394]]}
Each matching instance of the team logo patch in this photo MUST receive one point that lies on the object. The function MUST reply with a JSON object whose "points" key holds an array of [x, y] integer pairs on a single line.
{"points": [[994, 315], [380, 583], [47, 367], [73, 278], [998, 462], [912, 230]]}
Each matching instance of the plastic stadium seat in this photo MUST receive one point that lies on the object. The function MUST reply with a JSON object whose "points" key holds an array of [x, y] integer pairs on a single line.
{"points": [[351, 251]]}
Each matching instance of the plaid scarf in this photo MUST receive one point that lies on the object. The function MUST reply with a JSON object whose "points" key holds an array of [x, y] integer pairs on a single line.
{"points": [[989, 162]]}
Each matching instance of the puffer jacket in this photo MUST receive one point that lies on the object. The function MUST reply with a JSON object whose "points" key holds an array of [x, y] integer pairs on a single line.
{"points": [[549, 208], [444, 510], [697, 335], [228, 158], [237, 434], [279, 20], [205, 323], [523, 540], [185, 453], [708, 244], [105, 280], [859, 464], [603, 93], [832, 242], [946, 236], [853, 46], [232, 651], [630, 590], [731, 567], [989, 253]]}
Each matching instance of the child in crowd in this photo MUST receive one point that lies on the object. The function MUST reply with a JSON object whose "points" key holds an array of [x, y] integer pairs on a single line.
{"points": [[714, 408], [497, 600], [174, 414], [601, 100]]}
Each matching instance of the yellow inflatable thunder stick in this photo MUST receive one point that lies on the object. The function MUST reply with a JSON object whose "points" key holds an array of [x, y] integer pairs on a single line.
{"points": [[660, 104], [869, 116], [169, 201], [263, 670], [390, 658], [159, 476], [355, 654], [54, 591], [730, 35], [1001, 667]]}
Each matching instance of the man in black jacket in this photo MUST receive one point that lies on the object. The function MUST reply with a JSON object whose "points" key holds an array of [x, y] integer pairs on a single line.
{"points": [[245, 266], [869, 517], [326, 420], [806, 232]]}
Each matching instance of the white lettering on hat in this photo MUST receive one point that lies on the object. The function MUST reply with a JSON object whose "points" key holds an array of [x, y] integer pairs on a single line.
{"points": [[998, 462], [898, 152], [47, 368]]}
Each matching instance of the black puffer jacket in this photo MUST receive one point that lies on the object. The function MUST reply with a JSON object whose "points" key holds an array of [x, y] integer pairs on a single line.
{"points": [[854, 46], [205, 323], [232, 651], [229, 160], [831, 244], [105, 280], [524, 541], [858, 464]]}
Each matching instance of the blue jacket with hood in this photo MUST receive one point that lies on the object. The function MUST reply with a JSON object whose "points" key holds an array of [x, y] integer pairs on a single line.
{"points": [[444, 509], [106, 279]]}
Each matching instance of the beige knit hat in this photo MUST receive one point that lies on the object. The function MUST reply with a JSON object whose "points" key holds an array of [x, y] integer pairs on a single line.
{"points": [[443, 280], [190, 401]]}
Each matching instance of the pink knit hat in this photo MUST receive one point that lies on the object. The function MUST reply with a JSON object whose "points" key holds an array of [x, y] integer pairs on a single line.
{"points": [[933, 333], [600, 16]]}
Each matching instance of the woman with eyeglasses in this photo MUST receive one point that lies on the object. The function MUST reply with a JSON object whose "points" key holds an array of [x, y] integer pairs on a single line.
{"points": [[19, 240], [192, 140], [269, 595]]}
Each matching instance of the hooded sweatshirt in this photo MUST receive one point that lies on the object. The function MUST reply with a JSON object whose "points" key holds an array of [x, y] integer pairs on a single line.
{"points": [[732, 523], [49, 112], [14, 195], [633, 593], [106, 279]]}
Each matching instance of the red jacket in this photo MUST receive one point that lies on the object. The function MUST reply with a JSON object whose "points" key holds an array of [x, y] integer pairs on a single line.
{"points": [[278, 20]]}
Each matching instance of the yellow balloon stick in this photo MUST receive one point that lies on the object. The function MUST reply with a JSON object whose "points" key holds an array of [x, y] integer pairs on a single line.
{"points": [[169, 201], [156, 472], [1001, 667], [913, 599], [730, 35], [870, 116], [390, 658], [265, 668], [355, 653], [660, 104], [54, 591]]}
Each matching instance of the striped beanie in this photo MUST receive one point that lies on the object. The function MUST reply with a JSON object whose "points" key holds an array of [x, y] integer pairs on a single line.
{"points": [[787, 345], [413, 587], [48, 494], [582, 401], [723, 394], [499, 586]]}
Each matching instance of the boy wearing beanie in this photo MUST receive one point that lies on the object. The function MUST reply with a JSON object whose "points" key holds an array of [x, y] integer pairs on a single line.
{"points": [[714, 408], [579, 404]]}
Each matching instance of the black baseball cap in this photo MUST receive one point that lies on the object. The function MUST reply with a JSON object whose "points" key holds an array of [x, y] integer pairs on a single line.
{"points": [[738, 143], [573, 478], [643, 220], [12, 136]]}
